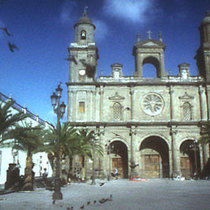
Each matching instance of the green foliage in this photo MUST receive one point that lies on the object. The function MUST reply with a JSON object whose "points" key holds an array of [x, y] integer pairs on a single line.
{"points": [[68, 140], [27, 138], [72, 141], [205, 134], [8, 120], [89, 143]]}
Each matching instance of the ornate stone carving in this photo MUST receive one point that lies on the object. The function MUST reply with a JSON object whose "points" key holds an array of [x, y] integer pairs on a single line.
{"points": [[116, 97], [152, 104], [186, 96]]}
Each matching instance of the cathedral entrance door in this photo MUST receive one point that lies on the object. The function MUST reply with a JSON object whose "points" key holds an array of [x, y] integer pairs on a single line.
{"points": [[119, 158], [152, 165], [189, 158], [154, 158], [118, 163]]}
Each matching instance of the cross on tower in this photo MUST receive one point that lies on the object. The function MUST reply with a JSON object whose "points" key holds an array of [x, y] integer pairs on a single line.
{"points": [[149, 34], [85, 11]]}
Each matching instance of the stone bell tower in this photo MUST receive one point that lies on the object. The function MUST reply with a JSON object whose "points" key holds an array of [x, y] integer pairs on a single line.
{"points": [[149, 51], [203, 53], [83, 53]]}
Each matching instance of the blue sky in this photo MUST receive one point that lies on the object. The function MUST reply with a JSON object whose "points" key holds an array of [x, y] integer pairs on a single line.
{"points": [[43, 29]]}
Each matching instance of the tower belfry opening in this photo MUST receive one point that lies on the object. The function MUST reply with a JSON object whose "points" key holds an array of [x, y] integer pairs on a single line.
{"points": [[149, 51]]}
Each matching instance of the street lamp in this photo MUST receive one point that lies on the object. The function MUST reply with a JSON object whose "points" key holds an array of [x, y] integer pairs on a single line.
{"points": [[93, 166], [109, 150], [59, 109], [194, 147]]}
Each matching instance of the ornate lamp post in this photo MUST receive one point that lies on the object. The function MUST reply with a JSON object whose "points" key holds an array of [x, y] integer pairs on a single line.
{"points": [[194, 147], [109, 150], [59, 109], [93, 170]]}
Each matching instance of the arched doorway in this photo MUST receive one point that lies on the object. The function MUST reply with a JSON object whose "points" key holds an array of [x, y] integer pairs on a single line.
{"points": [[189, 158], [154, 157], [119, 158]]}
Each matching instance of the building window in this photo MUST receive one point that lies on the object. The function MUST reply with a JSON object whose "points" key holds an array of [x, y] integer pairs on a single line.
{"points": [[117, 111], [82, 107], [187, 111], [83, 35]]}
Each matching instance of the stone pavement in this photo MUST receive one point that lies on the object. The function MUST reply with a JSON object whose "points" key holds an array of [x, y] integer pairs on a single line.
{"points": [[154, 194]]}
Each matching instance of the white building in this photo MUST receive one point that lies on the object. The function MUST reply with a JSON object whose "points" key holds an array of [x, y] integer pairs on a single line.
{"points": [[8, 155]]}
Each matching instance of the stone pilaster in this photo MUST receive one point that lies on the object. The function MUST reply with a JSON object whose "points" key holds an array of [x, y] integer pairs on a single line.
{"points": [[205, 154], [101, 93], [202, 103], [175, 154], [208, 100], [172, 108], [139, 64], [132, 103], [133, 164]]}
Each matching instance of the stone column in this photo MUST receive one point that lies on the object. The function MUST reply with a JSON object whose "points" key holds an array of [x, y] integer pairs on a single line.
{"points": [[101, 163], [208, 100], [133, 163], [175, 154], [88, 101], [132, 103], [162, 68], [205, 154], [171, 91], [69, 110], [138, 63], [202, 103], [101, 92], [73, 105]]}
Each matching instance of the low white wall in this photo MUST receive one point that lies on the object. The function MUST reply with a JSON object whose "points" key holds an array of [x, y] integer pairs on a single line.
{"points": [[40, 162]]}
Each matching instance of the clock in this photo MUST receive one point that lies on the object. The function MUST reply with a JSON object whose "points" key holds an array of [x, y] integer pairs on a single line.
{"points": [[152, 104], [82, 72]]}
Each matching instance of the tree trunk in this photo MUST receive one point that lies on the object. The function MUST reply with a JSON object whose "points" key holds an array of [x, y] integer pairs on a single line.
{"points": [[29, 174]]}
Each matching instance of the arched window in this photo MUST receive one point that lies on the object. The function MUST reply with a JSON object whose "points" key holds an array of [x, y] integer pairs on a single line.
{"points": [[117, 111], [187, 111], [83, 35]]}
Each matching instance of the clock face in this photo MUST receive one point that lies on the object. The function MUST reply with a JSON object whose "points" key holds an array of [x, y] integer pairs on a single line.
{"points": [[152, 104], [82, 72]]}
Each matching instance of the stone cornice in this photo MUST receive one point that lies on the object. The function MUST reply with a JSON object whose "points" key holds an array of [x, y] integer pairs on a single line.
{"points": [[129, 124], [141, 83]]}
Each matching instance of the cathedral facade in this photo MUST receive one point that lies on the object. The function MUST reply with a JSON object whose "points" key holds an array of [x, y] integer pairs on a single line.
{"points": [[148, 127]]}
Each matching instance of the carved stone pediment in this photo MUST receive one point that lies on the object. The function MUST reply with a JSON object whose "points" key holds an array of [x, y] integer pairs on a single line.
{"points": [[116, 97], [186, 96]]}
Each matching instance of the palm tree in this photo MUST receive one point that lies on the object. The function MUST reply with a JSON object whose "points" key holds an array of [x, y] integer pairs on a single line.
{"points": [[205, 134], [29, 139], [72, 142], [88, 143], [68, 142], [8, 120], [90, 147]]}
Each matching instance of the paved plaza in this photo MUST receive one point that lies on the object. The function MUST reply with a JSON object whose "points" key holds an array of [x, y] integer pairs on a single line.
{"points": [[126, 195]]}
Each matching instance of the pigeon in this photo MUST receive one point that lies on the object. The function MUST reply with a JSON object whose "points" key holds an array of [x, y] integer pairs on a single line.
{"points": [[12, 47], [5, 30], [110, 197], [103, 200], [101, 184]]}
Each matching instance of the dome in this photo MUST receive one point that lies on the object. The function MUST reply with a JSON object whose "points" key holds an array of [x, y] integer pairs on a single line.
{"points": [[84, 20], [206, 20]]}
